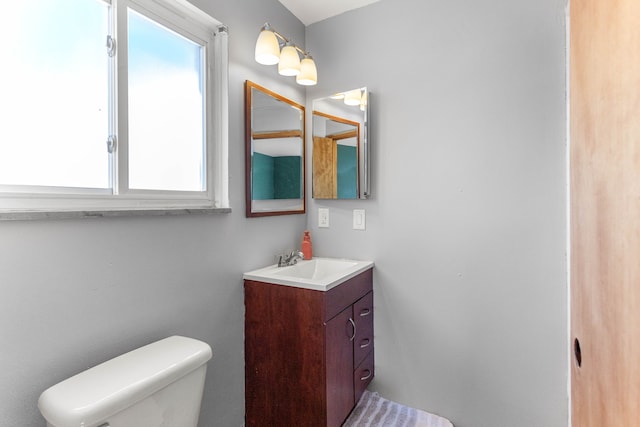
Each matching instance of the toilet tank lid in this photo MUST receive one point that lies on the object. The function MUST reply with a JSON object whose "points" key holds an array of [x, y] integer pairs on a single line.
{"points": [[116, 384]]}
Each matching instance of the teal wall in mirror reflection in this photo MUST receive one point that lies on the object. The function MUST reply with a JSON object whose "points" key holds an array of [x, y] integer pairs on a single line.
{"points": [[276, 177], [347, 172]]}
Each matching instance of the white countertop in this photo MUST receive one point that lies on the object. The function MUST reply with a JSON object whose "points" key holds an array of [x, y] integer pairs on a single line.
{"points": [[320, 274]]}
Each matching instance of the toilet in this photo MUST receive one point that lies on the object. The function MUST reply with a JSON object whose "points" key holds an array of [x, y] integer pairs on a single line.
{"points": [[158, 385]]}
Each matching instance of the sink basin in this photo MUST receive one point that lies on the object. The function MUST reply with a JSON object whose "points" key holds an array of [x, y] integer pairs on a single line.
{"points": [[316, 269], [319, 274]]}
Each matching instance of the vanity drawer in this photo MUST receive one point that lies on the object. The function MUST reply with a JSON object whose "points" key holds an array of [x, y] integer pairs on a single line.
{"points": [[363, 319], [362, 376]]}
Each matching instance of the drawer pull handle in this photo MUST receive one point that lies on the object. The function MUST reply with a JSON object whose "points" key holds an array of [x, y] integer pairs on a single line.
{"points": [[354, 329], [365, 343], [368, 374], [365, 312]]}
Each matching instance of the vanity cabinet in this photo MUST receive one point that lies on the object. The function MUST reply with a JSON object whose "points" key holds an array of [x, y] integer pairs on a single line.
{"points": [[308, 353]]}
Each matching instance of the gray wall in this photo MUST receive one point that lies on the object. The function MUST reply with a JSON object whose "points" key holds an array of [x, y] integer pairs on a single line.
{"points": [[467, 224], [75, 293]]}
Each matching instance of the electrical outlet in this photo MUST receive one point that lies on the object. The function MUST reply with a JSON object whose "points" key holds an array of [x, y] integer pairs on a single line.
{"points": [[358, 219], [323, 217]]}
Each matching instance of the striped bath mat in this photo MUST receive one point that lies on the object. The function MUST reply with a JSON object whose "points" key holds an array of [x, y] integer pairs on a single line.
{"points": [[375, 411]]}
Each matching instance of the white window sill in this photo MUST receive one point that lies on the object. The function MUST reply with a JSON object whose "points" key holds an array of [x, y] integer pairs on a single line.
{"points": [[39, 215]]}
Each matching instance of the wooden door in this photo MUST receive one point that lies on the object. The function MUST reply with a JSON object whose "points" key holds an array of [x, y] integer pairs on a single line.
{"points": [[325, 168], [605, 212]]}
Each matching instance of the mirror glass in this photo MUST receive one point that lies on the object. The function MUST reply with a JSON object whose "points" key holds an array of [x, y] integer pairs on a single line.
{"points": [[274, 134], [341, 146]]}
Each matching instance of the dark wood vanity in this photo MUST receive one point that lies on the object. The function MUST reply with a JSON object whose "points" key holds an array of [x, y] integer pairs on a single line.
{"points": [[308, 353]]}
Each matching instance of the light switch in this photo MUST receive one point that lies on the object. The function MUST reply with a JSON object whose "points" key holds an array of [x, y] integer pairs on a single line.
{"points": [[358, 219], [323, 217]]}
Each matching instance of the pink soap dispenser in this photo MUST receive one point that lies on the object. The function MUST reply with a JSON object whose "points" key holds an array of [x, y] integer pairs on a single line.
{"points": [[307, 249]]}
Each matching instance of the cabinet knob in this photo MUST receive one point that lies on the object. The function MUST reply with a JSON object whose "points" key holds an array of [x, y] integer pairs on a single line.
{"points": [[367, 375], [365, 312], [365, 343]]}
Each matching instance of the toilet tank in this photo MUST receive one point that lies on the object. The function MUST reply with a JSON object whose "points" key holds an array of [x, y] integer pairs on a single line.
{"points": [[158, 385]]}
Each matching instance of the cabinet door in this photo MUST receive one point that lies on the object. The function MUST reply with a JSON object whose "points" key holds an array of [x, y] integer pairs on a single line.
{"points": [[339, 335], [284, 368]]}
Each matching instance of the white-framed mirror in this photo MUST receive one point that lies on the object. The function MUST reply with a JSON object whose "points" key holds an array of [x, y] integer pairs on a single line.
{"points": [[274, 153], [341, 154]]}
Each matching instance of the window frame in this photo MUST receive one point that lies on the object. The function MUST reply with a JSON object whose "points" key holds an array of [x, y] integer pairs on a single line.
{"points": [[25, 202]]}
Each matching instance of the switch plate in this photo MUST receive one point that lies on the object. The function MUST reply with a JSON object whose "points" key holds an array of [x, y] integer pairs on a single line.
{"points": [[323, 217], [358, 219]]}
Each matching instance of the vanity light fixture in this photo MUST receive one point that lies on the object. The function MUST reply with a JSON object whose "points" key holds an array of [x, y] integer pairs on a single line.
{"points": [[268, 52]]}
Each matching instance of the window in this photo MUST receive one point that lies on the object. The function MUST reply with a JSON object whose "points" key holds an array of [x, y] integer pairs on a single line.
{"points": [[112, 105]]}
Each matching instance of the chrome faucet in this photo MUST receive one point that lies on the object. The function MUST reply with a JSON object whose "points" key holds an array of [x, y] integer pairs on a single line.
{"points": [[290, 258]]}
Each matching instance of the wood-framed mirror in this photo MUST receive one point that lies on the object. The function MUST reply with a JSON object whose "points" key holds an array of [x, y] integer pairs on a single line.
{"points": [[274, 153], [341, 146]]}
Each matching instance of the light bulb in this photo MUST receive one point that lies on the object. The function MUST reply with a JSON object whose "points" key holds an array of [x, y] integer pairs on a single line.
{"points": [[289, 64], [267, 48], [308, 73]]}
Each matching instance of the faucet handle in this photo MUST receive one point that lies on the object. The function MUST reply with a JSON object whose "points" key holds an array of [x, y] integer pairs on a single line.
{"points": [[295, 257], [289, 258]]}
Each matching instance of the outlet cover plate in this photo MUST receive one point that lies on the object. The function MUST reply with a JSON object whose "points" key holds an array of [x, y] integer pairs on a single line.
{"points": [[323, 217]]}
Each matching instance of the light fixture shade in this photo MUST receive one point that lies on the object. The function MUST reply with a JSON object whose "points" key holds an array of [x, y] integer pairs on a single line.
{"points": [[308, 73], [352, 97], [289, 64], [267, 48]]}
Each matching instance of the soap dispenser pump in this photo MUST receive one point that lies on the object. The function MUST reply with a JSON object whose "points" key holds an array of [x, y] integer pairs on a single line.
{"points": [[307, 249]]}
